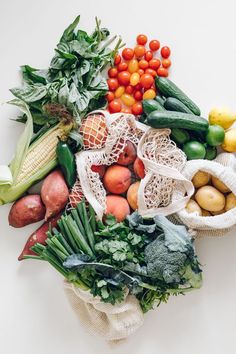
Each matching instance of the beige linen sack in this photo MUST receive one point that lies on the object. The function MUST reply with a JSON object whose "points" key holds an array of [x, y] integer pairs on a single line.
{"points": [[163, 163], [224, 168], [111, 322]]}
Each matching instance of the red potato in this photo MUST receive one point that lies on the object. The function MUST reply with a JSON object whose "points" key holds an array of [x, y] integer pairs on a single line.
{"points": [[54, 193], [39, 236], [26, 210]]}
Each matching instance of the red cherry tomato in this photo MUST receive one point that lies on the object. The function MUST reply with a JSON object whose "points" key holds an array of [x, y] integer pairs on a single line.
{"points": [[154, 45], [146, 80], [154, 64], [110, 96], [143, 64], [141, 39], [124, 78], [166, 63], [114, 106], [140, 72], [112, 84], [139, 51], [127, 53], [151, 72], [138, 95], [117, 59], [162, 72], [138, 87], [137, 108], [122, 66], [148, 55], [129, 89], [165, 52], [112, 72]]}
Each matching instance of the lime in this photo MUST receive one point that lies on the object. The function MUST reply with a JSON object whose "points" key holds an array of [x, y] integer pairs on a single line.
{"points": [[194, 150], [211, 153], [215, 135]]}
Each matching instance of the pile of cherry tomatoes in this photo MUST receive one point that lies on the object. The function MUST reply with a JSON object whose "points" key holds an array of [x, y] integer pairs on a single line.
{"points": [[131, 80]]}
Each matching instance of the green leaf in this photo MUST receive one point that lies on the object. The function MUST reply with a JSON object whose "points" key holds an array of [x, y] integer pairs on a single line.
{"points": [[68, 34], [32, 75], [30, 93]]}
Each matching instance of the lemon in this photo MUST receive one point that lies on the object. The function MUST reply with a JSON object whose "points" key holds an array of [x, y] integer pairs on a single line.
{"points": [[222, 116], [229, 143]]}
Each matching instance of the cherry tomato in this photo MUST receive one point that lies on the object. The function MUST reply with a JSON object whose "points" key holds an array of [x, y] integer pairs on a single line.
{"points": [[154, 64], [129, 89], [143, 64], [126, 110], [127, 53], [117, 59], [141, 39], [133, 66], [112, 84], [122, 66], [110, 96], [162, 72], [150, 94], [139, 51], [165, 52], [154, 45], [114, 106], [166, 63], [137, 108], [124, 78], [112, 72], [141, 72], [138, 87], [148, 55], [146, 80], [127, 99], [119, 91], [151, 72], [138, 95], [134, 79]]}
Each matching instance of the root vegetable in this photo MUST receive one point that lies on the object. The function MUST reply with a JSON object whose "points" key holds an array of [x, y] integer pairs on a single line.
{"points": [[132, 195], [218, 184], [230, 201], [39, 236], [139, 168], [26, 210], [200, 179], [193, 207], [210, 198], [205, 213], [54, 193]]}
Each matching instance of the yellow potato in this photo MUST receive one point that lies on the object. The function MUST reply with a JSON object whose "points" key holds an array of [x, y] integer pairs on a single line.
{"points": [[193, 207], [209, 198], [205, 213], [200, 179], [230, 201], [219, 185], [218, 212]]}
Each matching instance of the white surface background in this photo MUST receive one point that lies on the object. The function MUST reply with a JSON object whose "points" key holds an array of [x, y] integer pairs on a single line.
{"points": [[35, 317]]}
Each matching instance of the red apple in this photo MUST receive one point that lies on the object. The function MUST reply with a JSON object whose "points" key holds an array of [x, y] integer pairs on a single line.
{"points": [[139, 169], [128, 155], [101, 169]]}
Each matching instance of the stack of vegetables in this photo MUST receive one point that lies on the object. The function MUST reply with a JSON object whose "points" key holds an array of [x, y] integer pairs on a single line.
{"points": [[151, 257]]}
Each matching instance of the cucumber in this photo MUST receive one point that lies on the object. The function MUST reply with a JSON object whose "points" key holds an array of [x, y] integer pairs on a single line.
{"points": [[180, 136], [160, 100], [168, 89], [152, 105], [169, 119], [173, 104]]}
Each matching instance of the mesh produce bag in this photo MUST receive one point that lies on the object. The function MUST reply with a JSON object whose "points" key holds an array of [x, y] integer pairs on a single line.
{"points": [[163, 163], [112, 322], [224, 168]]}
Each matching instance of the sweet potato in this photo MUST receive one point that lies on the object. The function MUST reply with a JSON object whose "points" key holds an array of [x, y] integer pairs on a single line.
{"points": [[26, 210], [54, 193], [39, 236]]}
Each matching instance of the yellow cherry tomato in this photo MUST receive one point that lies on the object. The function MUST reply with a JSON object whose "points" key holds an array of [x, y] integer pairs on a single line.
{"points": [[133, 66], [127, 99], [134, 79], [149, 94], [119, 91]]}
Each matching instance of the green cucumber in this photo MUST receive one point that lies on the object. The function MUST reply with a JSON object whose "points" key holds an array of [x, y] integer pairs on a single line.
{"points": [[152, 105], [168, 89], [169, 119], [180, 136], [173, 104], [160, 100]]}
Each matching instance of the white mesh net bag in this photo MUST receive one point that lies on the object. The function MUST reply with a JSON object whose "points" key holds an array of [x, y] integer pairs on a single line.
{"points": [[224, 168], [163, 163]]}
